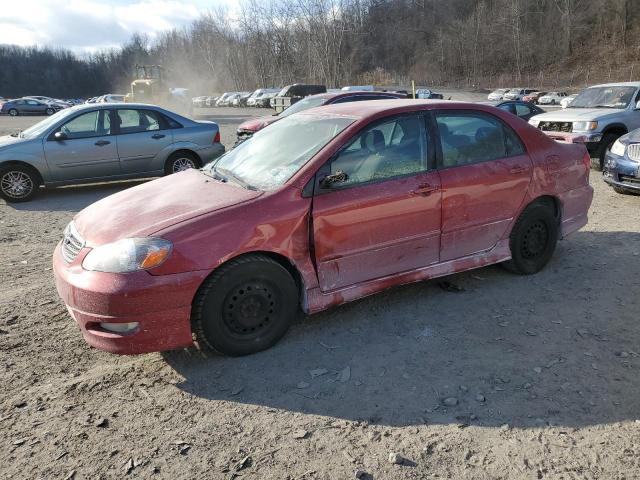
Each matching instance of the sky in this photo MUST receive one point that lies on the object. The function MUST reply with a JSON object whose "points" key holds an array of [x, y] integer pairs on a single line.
{"points": [[89, 25]]}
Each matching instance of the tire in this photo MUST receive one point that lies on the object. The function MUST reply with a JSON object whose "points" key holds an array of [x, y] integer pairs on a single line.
{"points": [[49, 111], [18, 184], [246, 306], [533, 239], [597, 162], [13, 112], [180, 161]]}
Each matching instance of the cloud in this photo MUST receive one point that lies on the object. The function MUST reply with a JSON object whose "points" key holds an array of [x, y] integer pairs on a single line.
{"points": [[90, 25]]}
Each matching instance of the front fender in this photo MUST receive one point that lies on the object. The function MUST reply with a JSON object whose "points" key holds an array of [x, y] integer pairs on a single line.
{"points": [[30, 153]]}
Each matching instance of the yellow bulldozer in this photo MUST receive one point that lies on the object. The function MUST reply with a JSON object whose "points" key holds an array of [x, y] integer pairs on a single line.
{"points": [[150, 86]]}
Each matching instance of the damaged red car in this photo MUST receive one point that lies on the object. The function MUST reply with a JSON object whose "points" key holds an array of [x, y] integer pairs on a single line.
{"points": [[323, 207]]}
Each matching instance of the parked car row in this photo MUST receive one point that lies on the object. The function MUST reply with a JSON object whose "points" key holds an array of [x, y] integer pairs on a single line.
{"points": [[282, 98], [530, 95]]}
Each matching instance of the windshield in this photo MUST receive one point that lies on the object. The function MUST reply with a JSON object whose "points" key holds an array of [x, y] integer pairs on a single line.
{"points": [[303, 104], [604, 97], [514, 90], [39, 128], [273, 155]]}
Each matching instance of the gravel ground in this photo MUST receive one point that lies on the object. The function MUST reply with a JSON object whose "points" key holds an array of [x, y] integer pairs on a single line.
{"points": [[511, 377]]}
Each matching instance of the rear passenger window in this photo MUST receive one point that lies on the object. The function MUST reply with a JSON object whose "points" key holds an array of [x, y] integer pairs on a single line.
{"points": [[134, 121], [468, 138]]}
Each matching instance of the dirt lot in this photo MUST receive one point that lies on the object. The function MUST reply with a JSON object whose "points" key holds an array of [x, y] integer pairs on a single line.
{"points": [[512, 377]]}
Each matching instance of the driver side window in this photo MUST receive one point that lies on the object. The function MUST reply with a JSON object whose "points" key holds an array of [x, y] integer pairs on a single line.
{"points": [[87, 125], [386, 150]]}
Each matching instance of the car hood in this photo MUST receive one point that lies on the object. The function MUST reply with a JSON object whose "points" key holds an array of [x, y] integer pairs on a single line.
{"points": [[142, 210], [577, 114], [9, 140], [259, 123]]}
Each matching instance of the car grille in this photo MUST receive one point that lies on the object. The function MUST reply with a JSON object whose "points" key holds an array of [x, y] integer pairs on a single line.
{"points": [[72, 243], [633, 151], [629, 179], [565, 127], [244, 134]]}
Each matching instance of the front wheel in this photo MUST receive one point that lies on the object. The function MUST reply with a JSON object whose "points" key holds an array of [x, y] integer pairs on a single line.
{"points": [[597, 161], [533, 239], [49, 111], [17, 184], [246, 306]]}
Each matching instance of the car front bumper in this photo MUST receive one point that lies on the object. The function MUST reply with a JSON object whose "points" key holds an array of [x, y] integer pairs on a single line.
{"points": [[621, 172], [160, 304]]}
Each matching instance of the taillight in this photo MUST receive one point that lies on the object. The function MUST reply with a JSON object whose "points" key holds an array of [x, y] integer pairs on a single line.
{"points": [[216, 139], [587, 161]]}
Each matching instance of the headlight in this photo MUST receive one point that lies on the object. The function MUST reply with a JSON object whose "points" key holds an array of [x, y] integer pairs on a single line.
{"points": [[128, 255], [584, 126], [618, 148], [534, 122]]}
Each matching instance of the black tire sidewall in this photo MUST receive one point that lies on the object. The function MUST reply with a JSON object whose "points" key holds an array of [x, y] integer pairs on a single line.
{"points": [[532, 214], [34, 181], [605, 144], [209, 322]]}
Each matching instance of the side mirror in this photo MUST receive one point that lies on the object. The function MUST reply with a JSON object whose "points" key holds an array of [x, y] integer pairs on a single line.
{"points": [[60, 136], [329, 180]]}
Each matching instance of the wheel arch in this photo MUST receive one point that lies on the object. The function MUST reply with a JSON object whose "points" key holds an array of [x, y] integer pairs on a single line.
{"points": [[27, 165], [550, 200], [615, 128], [279, 258]]}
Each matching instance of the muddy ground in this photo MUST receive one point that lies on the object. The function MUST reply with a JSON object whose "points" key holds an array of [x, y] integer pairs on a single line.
{"points": [[512, 377]]}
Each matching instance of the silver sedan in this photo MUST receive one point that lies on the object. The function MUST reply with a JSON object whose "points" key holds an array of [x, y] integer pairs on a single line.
{"points": [[99, 142]]}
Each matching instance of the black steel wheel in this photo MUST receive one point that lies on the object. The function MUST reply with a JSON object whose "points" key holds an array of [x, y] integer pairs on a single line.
{"points": [[245, 306], [533, 238]]}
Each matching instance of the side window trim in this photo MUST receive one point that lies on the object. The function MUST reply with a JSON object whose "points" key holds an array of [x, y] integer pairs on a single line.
{"points": [[50, 136], [162, 122], [508, 130], [325, 169]]}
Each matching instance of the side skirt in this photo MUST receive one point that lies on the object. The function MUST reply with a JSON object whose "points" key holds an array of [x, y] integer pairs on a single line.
{"points": [[316, 300]]}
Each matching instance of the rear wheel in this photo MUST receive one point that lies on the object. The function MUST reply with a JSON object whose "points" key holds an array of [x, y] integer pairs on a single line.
{"points": [[18, 183], [533, 239], [597, 161], [246, 306], [13, 112], [181, 161]]}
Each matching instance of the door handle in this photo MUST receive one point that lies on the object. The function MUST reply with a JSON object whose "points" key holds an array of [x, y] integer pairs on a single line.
{"points": [[517, 170], [425, 190], [102, 143], [157, 136]]}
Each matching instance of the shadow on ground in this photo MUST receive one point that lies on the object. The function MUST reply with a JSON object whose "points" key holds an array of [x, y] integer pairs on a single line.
{"points": [[73, 198], [557, 348]]}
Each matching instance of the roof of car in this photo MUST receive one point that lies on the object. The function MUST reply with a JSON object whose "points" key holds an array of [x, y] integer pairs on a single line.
{"points": [[352, 93], [618, 84], [370, 108]]}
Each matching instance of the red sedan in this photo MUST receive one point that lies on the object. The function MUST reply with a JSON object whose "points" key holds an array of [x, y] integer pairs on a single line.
{"points": [[323, 207]]}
